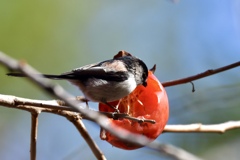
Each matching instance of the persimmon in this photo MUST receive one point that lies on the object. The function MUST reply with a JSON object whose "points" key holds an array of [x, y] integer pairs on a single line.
{"points": [[149, 102]]}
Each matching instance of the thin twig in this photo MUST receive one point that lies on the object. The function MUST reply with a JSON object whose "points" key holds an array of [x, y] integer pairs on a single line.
{"points": [[140, 120], [117, 116], [33, 139], [201, 75], [210, 128]]}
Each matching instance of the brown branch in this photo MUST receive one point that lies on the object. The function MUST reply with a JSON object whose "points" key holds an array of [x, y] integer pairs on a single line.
{"points": [[57, 105], [201, 75], [117, 116], [83, 131], [50, 107], [58, 92], [33, 139]]}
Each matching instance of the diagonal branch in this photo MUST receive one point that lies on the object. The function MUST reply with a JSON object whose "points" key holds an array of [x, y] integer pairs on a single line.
{"points": [[83, 131], [75, 118], [177, 153], [200, 75]]}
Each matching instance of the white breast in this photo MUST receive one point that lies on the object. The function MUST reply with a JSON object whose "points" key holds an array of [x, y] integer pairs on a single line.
{"points": [[99, 90]]}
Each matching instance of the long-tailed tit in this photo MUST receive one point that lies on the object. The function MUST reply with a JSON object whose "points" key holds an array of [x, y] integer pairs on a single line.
{"points": [[105, 81]]}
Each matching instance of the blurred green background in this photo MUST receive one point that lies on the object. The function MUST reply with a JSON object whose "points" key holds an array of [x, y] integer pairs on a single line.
{"points": [[183, 39]]}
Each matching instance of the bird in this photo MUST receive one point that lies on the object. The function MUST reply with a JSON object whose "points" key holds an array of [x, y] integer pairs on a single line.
{"points": [[105, 81]]}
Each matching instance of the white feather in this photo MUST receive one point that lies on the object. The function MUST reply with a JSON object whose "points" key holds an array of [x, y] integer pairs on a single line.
{"points": [[106, 91]]}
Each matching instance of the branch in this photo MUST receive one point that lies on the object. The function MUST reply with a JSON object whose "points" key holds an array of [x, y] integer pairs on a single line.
{"points": [[76, 120], [117, 116], [82, 129], [51, 107], [177, 153], [201, 75], [210, 128], [58, 92], [33, 139], [55, 105]]}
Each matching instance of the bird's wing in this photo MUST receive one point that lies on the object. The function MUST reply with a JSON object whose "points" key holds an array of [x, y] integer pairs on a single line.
{"points": [[97, 70]]}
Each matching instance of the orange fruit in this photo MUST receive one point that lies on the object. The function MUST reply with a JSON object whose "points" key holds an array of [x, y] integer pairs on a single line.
{"points": [[149, 102]]}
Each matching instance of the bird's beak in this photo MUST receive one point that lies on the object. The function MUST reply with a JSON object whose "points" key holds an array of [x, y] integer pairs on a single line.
{"points": [[144, 84]]}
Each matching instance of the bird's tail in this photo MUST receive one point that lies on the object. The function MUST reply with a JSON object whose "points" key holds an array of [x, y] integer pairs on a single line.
{"points": [[44, 75]]}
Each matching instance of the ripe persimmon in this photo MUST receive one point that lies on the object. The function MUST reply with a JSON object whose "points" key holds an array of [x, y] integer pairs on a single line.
{"points": [[149, 102]]}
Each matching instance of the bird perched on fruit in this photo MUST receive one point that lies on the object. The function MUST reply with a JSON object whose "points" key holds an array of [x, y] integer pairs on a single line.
{"points": [[105, 81]]}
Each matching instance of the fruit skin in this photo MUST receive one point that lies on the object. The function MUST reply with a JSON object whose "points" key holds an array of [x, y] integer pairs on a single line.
{"points": [[149, 102]]}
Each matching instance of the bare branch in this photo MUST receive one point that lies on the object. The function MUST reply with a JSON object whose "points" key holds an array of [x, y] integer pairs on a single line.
{"points": [[117, 116], [33, 139], [177, 153], [201, 75], [51, 107], [58, 92], [55, 105], [210, 128], [83, 131], [37, 106]]}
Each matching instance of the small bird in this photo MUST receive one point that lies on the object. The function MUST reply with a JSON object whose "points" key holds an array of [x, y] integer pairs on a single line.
{"points": [[105, 81]]}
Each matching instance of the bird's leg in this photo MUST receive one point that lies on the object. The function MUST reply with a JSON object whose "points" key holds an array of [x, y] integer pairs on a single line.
{"points": [[87, 104], [83, 99], [115, 109]]}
